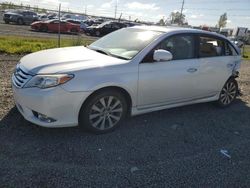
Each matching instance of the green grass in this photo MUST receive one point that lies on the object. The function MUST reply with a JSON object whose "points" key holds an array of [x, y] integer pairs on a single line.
{"points": [[246, 52], [25, 45]]}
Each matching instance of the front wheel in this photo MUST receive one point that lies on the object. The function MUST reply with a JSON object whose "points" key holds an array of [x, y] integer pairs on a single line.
{"points": [[74, 31], [103, 112], [20, 21], [98, 33], [44, 28], [228, 93]]}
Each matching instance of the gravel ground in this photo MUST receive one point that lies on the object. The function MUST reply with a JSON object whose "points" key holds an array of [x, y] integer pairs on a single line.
{"points": [[170, 148]]}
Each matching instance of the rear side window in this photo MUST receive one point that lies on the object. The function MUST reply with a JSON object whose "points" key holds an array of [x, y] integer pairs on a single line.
{"points": [[211, 47], [181, 46]]}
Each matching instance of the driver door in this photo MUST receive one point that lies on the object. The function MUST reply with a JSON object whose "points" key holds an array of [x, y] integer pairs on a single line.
{"points": [[169, 82]]}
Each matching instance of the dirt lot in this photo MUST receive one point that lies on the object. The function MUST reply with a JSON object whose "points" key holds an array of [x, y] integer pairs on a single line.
{"points": [[176, 148]]}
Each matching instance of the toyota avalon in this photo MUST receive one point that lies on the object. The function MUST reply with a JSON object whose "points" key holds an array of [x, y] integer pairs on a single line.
{"points": [[128, 72]]}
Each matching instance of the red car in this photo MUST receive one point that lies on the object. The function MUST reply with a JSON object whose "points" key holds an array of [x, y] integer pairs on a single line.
{"points": [[53, 26]]}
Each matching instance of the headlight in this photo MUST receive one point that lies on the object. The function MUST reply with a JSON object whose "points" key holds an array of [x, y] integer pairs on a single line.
{"points": [[47, 81]]}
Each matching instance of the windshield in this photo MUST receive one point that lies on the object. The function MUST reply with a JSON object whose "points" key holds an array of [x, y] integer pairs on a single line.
{"points": [[125, 43], [103, 24]]}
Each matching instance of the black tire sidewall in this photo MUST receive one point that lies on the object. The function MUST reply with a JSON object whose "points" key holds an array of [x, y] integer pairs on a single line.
{"points": [[219, 101], [98, 33], [73, 30], [85, 110], [44, 28]]}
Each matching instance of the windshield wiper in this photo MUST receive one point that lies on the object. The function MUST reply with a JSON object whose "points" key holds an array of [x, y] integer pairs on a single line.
{"points": [[120, 57], [107, 53], [103, 52], [99, 50]]}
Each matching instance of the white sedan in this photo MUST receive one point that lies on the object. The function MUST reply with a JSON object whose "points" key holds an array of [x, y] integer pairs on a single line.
{"points": [[128, 72]]}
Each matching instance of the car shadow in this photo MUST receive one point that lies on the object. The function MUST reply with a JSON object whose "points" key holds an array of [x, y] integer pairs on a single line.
{"points": [[178, 142], [204, 116]]}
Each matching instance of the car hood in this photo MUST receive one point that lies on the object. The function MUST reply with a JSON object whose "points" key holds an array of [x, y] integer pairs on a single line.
{"points": [[62, 60], [13, 14], [37, 22]]}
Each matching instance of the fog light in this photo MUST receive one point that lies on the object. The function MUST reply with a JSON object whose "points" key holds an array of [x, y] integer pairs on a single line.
{"points": [[45, 118]]}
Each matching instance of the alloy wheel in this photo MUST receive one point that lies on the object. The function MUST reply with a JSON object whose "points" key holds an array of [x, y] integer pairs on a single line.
{"points": [[228, 93], [106, 113]]}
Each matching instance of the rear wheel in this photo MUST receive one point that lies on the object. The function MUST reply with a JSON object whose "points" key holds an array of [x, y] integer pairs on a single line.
{"points": [[228, 93], [103, 112]]}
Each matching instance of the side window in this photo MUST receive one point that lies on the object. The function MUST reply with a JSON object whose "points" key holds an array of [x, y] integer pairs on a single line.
{"points": [[25, 13], [107, 26], [211, 47], [115, 26], [55, 22], [181, 46]]}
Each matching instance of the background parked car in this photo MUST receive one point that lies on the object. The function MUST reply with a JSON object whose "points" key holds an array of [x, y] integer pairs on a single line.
{"points": [[20, 17], [43, 17], [74, 17], [73, 21], [93, 22], [53, 25], [104, 28], [236, 41]]}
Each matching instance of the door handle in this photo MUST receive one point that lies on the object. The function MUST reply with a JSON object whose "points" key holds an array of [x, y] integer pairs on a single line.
{"points": [[192, 70]]}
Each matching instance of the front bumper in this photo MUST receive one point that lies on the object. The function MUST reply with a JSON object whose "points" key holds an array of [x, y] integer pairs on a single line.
{"points": [[9, 19], [56, 103]]}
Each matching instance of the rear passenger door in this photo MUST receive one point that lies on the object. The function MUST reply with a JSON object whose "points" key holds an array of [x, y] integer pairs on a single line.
{"points": [[216, 62]]}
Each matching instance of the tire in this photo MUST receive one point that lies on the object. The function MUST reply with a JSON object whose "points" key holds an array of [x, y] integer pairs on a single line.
{"points": [[20, 21], [36, 28], [103, 111], [73, 30], [7, 22], [44, 28], [98, 33], [228, 93]]}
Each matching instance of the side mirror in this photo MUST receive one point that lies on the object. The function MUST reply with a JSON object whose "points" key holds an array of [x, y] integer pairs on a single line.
{"points": [[162, 55]]}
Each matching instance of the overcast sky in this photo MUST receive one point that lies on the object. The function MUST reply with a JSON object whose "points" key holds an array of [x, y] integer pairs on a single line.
{"points": [[198, 12]]}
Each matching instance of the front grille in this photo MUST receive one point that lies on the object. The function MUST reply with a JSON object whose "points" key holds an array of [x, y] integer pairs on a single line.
{"points": [[20, 77]]}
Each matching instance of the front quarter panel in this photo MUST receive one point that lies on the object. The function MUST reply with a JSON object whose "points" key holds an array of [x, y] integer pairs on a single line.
{"points": [[124, 76]]}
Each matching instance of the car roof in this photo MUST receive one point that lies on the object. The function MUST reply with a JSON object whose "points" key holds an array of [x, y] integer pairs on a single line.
{"points": [[176, 30]]}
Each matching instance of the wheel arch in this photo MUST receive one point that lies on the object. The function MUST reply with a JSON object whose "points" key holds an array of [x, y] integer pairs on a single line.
{"points": [[123, 91]]}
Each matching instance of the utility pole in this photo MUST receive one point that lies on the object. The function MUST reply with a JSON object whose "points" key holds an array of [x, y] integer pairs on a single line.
{"points": [[59, 27], [120, 17], [115, 8], [182, 6]]}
